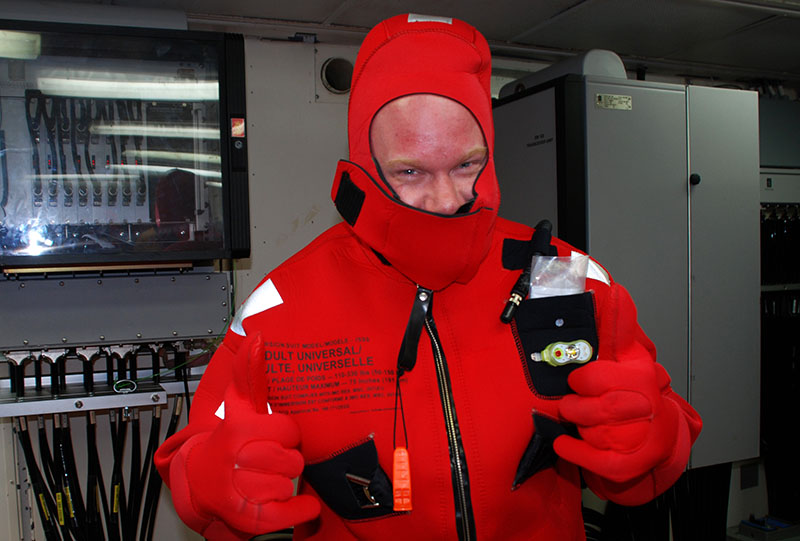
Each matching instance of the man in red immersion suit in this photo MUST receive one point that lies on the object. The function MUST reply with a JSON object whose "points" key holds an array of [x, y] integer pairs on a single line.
{"points": [[385, 333]]}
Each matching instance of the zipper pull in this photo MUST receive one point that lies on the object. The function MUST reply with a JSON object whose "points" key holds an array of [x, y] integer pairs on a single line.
{"points": [[407, 356]]}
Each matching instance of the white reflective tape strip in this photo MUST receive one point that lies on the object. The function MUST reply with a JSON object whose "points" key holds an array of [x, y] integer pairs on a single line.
{"points": [[417, 18], [266, 296], [221, 410], [595, 271]]}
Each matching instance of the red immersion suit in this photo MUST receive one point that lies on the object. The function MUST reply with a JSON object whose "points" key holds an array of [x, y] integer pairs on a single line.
{"points": [[332, 320]]}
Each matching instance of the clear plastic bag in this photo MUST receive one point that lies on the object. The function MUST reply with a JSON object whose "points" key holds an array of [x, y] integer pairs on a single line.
{"points": [[554, 276]]}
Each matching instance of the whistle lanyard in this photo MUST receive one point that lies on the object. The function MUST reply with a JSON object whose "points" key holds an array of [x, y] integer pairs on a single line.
{"points": [[406, 359]]}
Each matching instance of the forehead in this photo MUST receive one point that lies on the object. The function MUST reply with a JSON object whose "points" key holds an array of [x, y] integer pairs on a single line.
{"points": [[419, 115], [422, 103]]}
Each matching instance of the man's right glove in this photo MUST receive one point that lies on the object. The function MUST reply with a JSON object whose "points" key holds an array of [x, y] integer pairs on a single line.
{"points": [[632, 433], [235, 481]]}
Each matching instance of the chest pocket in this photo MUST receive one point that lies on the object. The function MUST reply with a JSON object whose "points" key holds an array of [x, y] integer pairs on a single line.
{"points": [[555, 335]]}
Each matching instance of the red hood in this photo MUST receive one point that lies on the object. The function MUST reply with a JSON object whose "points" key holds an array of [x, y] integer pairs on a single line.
{"points": [[410, 54]]}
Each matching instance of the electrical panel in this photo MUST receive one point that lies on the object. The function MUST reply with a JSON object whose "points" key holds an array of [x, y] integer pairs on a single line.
{"points": [[120, 146], [123, 194]]}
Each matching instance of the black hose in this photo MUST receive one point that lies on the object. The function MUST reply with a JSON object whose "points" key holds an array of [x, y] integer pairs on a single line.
{"points": [[154, 485], [68, 482], [44, 500], [95, 491], [52, 476]]}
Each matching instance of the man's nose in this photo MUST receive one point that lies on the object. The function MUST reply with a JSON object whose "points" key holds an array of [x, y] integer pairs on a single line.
{"points": [[446, 196]]}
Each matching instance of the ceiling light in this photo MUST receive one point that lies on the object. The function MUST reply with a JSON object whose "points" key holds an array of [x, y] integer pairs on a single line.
{"points": [[20, 45]]}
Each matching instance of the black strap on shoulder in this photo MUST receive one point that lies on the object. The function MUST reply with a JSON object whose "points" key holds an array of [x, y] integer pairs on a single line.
{"points": [[517, 253], [538, 245]]}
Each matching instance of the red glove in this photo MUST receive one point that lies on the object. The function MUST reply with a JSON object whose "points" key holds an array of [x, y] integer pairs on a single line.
{"points": [[235, 481], [629, 425]]}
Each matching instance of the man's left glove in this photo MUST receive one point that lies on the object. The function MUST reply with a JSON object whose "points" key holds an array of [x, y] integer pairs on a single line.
{"points": [[629, 426]]}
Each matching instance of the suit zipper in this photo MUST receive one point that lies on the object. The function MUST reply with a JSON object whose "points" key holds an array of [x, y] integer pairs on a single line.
{"points": [[464, 521]]}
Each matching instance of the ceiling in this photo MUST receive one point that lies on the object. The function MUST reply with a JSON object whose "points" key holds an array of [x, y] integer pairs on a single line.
{"points": [[756, 42]]}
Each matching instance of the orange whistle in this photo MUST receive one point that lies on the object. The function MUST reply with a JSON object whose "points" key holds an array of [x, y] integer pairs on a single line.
{"points": [[401, 480]]}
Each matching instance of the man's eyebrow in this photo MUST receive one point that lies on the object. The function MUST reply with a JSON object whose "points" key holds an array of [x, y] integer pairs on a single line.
{"points": [[412, 163], [477, 150]]}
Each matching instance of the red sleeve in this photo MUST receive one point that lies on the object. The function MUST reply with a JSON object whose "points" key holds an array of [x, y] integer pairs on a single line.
{"points": [[622, 339]]}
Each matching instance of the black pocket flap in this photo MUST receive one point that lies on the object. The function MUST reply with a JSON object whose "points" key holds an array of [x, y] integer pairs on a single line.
{"points": [[540, 454], [352, 483]]}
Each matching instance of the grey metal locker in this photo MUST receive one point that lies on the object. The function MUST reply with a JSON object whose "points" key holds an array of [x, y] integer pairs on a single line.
{"points": [[611, 159], [725, 264]]}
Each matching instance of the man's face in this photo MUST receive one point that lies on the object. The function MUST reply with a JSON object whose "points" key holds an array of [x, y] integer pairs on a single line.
{"points": [[430, 150]]}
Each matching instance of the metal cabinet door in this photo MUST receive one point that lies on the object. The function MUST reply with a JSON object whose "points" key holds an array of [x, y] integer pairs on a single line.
{"points": [[725, 286], [638, 225]]}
